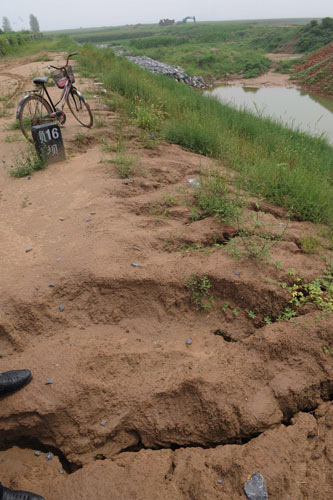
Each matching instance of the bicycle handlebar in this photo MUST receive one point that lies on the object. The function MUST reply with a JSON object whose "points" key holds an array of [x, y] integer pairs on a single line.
{"points": [[64, 67]]}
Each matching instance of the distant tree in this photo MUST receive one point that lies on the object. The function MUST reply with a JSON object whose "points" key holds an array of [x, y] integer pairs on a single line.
{"points": [[34, 24], [313, 23], [6, 24], [327, 22]]}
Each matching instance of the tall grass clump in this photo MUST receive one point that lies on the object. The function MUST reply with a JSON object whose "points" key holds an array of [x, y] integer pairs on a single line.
{"points": [[285, 166]]}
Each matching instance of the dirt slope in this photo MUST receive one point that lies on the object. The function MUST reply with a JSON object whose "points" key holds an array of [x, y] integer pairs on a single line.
{"points": [[316, 73], [135, 410]]}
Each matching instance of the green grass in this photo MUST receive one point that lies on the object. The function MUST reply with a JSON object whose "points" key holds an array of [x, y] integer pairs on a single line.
{"points": [[27, 163], [288, 168]]}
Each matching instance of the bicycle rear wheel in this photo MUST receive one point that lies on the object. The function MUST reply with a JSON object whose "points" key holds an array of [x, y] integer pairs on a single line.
{"points": [[80, 108], [34, 111]]}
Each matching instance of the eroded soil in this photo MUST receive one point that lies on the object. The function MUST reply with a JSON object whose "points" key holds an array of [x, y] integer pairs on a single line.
{"points": [[135, 410]]}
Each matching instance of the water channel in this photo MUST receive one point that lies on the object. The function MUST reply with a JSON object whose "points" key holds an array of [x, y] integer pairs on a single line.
{"points": [[295, 108]]}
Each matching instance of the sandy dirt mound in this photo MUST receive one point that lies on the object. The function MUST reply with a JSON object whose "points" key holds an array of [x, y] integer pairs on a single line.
{"points": [[153, 394]]}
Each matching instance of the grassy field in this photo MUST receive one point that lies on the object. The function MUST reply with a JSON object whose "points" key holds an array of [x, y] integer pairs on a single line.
{"points": [[286, 167], [21, 45], [211, 49]]}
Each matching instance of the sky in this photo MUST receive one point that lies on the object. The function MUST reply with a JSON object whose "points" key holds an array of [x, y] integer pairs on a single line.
{"points": [[63, 14]]}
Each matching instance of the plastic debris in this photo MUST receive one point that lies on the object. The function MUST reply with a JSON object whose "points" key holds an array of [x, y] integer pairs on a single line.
{"points": [[193, 182]]}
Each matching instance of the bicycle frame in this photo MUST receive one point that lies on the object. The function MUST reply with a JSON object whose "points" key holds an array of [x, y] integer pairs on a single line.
{"points": [[64, 96]]}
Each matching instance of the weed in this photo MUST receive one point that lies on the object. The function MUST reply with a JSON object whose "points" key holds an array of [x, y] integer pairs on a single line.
{"points": [[149, 140], [251, 315], [199, 290], [318, 292], [149, 116], [12, 138], [287, 314], [235, 312], [212, 197], [224, 307], [126, 165], [268, 320], [80, 139], [99, 121], [13, 125], [25, 202], [27, 163], [253, 242], [310, 244], [327, 350]]}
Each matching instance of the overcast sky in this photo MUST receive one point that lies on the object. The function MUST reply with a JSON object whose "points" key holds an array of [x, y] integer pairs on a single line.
{"points": [[62, 14]]}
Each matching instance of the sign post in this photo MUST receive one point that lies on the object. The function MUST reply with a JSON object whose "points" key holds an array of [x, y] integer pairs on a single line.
{"points": [[48, 142]]}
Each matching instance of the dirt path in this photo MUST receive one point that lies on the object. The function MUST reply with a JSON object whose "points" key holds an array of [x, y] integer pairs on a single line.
{"points": [[151, 398]]}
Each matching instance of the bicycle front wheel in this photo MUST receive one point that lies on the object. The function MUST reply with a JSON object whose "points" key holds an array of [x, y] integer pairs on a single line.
{"points": [[80, 108], [34, 111]]}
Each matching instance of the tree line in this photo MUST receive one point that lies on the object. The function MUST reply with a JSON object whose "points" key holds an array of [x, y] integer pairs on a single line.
{"points": [[33, 22]]}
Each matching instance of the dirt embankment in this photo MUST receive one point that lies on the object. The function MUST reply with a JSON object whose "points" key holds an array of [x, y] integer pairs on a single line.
{"points": [[151, 397], [316, 73]]}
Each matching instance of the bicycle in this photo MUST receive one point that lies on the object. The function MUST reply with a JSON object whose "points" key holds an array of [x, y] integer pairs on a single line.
{"points": [[35, 109]]}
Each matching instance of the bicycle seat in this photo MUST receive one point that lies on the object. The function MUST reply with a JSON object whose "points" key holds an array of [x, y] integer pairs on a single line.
{"points": [[39, 81]]}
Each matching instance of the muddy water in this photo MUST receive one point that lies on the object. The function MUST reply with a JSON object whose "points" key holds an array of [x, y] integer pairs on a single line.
{"points": [[293, 107]]}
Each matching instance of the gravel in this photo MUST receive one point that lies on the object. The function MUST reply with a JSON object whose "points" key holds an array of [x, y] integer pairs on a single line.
{"points": [[175, 72]]}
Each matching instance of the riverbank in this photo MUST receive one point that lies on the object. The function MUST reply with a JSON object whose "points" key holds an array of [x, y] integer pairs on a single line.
{"points": [[268, 79]]}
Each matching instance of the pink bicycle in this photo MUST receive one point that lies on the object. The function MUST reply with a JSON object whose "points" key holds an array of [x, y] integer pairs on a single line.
{"points": [[37, 107]]}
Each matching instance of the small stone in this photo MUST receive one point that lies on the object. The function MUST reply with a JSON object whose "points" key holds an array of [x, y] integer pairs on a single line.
{"points": [[49, 382], [6, 313], [188, 341], [61, 308], [237, 273], [220, 481], [135, 265], [282, 224], [154, 342], [29, 177], [49, 456], [103, 422], [58, 259], [255, 488], [51, 285], [260, 340], [125, 183], [62, 219], [28, 250], [132, 230], [88, 220], [1, 356], [135, 248], [61, 470], [37, 453], [36, 289], [92, 213]]}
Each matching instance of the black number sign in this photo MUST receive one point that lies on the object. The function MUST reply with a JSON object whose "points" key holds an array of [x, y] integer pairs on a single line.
{"points": [[48, 142]]}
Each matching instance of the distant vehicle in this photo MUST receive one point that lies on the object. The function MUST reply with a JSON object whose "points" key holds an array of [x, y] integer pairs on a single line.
{"points": [[166, 22], [187, 18]]}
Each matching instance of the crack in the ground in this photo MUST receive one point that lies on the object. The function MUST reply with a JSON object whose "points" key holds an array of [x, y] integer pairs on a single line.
{"points": [[29, 443]]}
